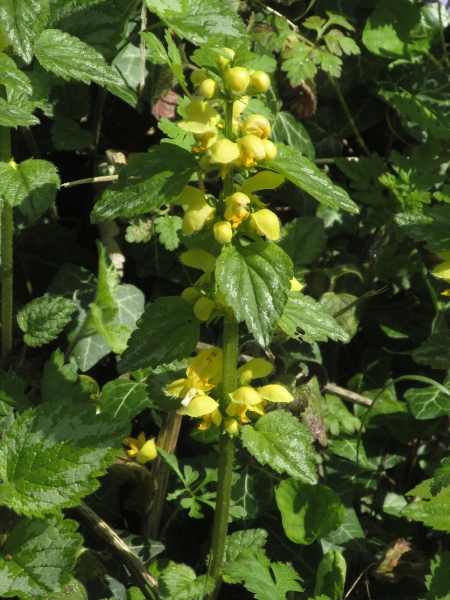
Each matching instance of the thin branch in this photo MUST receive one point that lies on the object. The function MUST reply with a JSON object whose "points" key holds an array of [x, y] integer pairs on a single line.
{"points": [[99, 179], [292, 25], [103, 531], [352, 397]]}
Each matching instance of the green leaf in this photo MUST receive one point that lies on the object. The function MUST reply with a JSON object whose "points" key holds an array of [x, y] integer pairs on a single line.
{"points": [[334, 303], [67, 134], [331, 573], [432, 227], [388, 31], [337, 417], [176, 135], [348, 535], [308, 512], [429, 120], [202, 20], [435, 351], [166, 8], [22, 22], [167, 331], [124, 399], [115, 334], [305, 314], [12, 391], [255, 570], [31, 185], [12, 115], [181, 582], [304, 174], [38, 557], [303, 239], [312, 415], [159, 378], [433, 513], [43, 319], [106, 280], [151, 180], [438, 582], [290, 131], [281, 441], [441, 477], [253, 539], [12, 77], [73, 590], [52, 455], [428, 402], [167, 228], [68, 57], [255, 280], [298, 64], [60, 382]]}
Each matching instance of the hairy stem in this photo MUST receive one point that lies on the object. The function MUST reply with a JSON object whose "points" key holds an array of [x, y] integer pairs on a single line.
{"points": [[7, 258]]}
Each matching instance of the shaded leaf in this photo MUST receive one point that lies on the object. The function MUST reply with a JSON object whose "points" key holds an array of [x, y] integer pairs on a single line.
{"points": [[428, 402], [435, 351], [22, 22], [124, 399], [43, 319], [331, 574], [181, 582]]}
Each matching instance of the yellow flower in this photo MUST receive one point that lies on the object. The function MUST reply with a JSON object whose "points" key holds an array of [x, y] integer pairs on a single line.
{"points": [[197, 258], [202, 118], [264, 180], [224, 61], [238, 79], [270, 150], [260, 81], [224, 151], [296, 286], [254, 369], [236, 211], [208, 89], [266, 223], [443, 270], [223, 232], [198, 76], [196, 216], [143, 449], [239, 106], [256, 125], [251, 150], [203, 308]]}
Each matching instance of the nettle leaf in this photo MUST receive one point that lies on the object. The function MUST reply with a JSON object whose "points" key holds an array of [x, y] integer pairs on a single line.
{"points": [[31, 185], [429, 120], [165, 8], [303, 239], [281, 441], [52, 455], [124, 399], [435, 351], [432, 226], [428, 402], [291, 163], [331, 574], [38, 557], [308, 512], [202, 20], [433, 513], [303, 318], [167, 331], [253, 539], [12, 77], [151, 180], [167, 228], [68, 57], [255, 280], [60, 382], [290, 131], [441, 477], [12, 115], [22, 22], [437, 583], [43, 319], [181, 582], [12, 391]]}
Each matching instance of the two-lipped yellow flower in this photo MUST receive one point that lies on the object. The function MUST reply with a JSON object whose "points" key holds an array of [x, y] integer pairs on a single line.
{"points": [[144, 450]]}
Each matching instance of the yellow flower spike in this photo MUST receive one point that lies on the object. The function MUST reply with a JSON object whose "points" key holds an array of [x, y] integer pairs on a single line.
{"points": [[275, 393], [251, 150], [208, 89], [442, 271], [197, 258], [203, 308], [208, 363], [231, 426], [266, 223], [260, 81], [223, 232], [270, 150], [239, 106], [257, 125], [296, 286], [224, 151], [200, 406], [245, 395], [202, 118], [196, 216], [190, 294], [222, 61], [198, 76], [254, 369], [238, 79], [189, 195], [147, 452]]}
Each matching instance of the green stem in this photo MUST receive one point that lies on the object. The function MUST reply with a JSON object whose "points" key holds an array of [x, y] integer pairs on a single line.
{"points": [[348, 114], [7, 258], [226, 451]]}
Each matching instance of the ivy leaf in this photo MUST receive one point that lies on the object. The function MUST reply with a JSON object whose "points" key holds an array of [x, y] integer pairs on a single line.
{"points": [[12, 77], [281, 441], [124, 399], [12, 115], [203, 20], [43, 319], [291, 163], [181, 582], [23, 21], [115, 334], [167, 331], [68, 57], [31, 185], [167, 228], [255, 280], [52, 455], [428, 402], [38, 557], [305, 314], [435, 351], [308, 512], [151, 180], [290, 131], [60, 382]]}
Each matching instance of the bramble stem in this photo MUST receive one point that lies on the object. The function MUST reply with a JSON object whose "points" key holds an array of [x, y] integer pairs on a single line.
{"points": [[7, 258]]}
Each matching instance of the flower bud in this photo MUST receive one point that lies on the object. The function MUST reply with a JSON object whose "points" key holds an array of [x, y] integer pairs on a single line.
{"points": [[238, 79], [147, 452], [256, 125], [198, 76], [270, 150], [208, 89], [260, 81], [266, 223], [223, 232], [203, 308], [222, 61], [231, 426]]}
